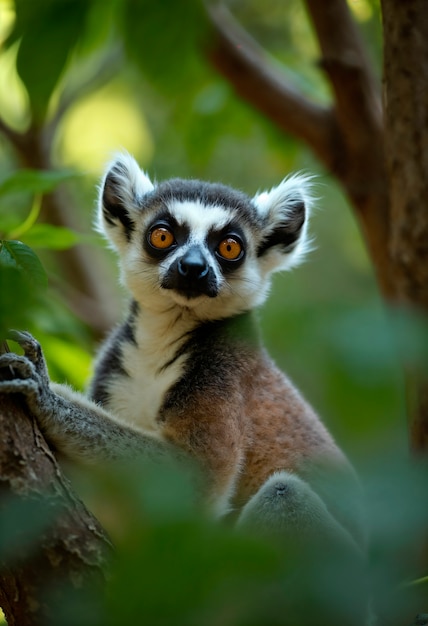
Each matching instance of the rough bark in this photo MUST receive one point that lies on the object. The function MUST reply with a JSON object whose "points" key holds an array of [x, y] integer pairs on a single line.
{"points": [[406, 133], [69, 551], [360, 160]]}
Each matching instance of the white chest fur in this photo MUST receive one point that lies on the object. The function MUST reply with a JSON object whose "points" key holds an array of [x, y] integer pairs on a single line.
{"points": [[137, 396]]}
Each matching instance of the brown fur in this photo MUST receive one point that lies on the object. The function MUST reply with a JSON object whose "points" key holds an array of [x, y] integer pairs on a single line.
{"points": [[258, 425]]}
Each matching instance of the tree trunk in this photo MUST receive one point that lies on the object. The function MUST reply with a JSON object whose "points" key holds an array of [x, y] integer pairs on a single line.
{"points": [[68, 550], [406, 141]]}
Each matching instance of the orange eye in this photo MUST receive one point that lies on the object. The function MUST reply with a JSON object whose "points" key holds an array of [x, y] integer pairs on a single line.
{"points": [[230, 249], [161, 238]]}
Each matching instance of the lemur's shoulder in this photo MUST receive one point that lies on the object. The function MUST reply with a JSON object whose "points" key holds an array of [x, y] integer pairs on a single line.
{"points": [[282, 428]]}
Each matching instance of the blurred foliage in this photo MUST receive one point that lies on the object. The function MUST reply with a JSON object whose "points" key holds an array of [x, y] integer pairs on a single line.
{"points": [[93, 76], [174, 566], [23, 280]]}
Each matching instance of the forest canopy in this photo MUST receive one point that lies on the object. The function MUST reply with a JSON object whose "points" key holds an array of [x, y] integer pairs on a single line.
{"points": [[81, 80]]}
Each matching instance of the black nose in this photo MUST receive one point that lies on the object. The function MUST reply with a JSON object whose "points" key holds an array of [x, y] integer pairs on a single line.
{"points": [[193, 264]]}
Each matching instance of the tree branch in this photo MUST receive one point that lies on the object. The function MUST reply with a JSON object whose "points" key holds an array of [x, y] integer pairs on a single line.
{"points": [[406, 124], [359, 116], [71, 551], [7, 131], [246, 66], [356, 90]]}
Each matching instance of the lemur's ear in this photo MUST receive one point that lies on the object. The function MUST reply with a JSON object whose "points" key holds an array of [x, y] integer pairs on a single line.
{"points": [[284, 212], [123, 186]]}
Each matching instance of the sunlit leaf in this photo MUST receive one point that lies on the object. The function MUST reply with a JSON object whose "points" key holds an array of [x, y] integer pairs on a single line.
{"points": [[18, 256], [33, 181], [51, 237], [49, 30]]}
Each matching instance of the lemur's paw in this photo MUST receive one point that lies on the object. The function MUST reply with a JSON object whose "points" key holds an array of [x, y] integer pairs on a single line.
{"points": [[31, 346], [26, 374]]}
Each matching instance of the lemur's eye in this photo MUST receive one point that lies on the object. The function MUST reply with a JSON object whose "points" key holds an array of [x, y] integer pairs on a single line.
{"points": [[230, 249], [161, 238]]}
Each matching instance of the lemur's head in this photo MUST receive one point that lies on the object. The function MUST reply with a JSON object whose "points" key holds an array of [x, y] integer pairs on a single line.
{"points": [[198, 245]]}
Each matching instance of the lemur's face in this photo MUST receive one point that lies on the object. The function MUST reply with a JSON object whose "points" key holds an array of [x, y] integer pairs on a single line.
{"points": [[200, 246]]}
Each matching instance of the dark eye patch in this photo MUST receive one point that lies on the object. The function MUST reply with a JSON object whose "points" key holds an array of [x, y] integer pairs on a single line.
{"points": [[165, 220], [215, 237]]}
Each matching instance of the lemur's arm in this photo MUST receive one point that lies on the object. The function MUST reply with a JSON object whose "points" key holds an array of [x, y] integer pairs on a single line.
{"points": [[84, 432], [76, 427]]}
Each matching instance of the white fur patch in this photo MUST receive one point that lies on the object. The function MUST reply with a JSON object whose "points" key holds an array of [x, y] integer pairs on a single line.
{"points": [[137, 397], [200, 218], [295, 188], [276, 204], [133, 184]]}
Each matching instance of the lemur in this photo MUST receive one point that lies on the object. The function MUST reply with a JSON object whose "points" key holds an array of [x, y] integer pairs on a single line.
{"points": [[186, 374]]}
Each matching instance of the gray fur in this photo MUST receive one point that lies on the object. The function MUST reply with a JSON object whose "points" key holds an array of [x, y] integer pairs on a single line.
{"points": [[74, 426]]}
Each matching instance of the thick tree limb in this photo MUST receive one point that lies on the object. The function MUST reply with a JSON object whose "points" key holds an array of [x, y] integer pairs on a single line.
{"points": [[406, 107], [406, 125], [356, 92], [70, 553], [358, 111]]}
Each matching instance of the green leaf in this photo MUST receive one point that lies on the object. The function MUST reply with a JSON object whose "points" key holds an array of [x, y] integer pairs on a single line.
{"points": [[18, 256], [51, 237], [49, 31], [33, 181]]}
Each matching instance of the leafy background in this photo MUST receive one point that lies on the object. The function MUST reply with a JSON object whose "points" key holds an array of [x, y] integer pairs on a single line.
{"points": [[90, 77]]}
